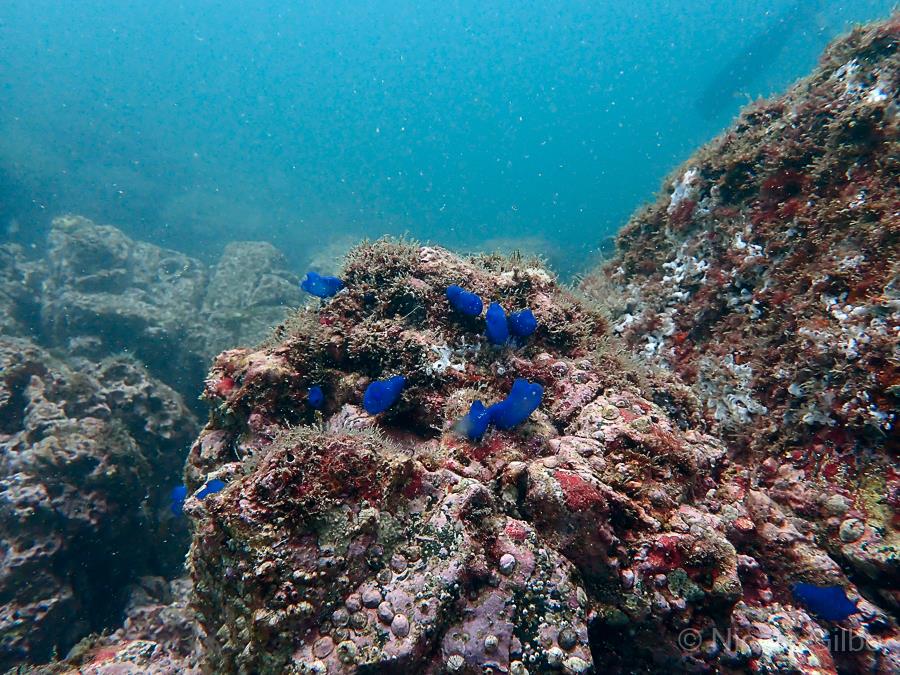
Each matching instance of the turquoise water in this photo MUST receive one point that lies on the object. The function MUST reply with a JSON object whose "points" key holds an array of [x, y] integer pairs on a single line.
{"points": [[475, 125]]}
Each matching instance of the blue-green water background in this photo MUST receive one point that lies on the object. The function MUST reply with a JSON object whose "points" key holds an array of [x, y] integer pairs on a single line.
{"points": [[467, 123]]}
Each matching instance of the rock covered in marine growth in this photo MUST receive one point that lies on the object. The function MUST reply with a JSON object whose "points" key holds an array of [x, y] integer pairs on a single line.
{"points": [[20, 282], [250, 290], [91, 443], [106, 293], [85, 452], [159, 635], [766, 275], [587, 539]]}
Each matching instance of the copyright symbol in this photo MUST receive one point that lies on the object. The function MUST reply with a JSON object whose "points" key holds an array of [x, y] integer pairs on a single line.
{"points": [[689, 639]]}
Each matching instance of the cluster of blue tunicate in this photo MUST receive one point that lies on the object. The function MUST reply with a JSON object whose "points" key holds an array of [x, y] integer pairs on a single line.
{"points": [[378, 397], [498, 326], [321, 286], [522, 400], [382, 394]]}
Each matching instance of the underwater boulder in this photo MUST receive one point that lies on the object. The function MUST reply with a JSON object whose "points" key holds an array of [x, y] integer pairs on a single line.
{"points": [[83, 451], [765, 276], [414, 542]]}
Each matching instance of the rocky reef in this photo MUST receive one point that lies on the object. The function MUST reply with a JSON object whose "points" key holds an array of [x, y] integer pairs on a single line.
{"points": [[104, 345], [159, 635], [766, 276], [608, 533], [105, 293], [708, 483], [86, 450]]}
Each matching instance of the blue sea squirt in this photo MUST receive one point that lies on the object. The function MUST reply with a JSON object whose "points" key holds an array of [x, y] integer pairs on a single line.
{"points": [[179, 494], [826, 602], [176, 499], [464, 301], [321, 286], [523, 399], [315, 397], [211, 487], [496, 327], [522, 323], [474, 425], [382, 394]]}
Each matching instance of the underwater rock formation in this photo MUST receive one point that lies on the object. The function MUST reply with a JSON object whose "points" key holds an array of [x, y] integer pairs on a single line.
{"points": [[90, 442], [159, 636], [20, 282], [85, 451], [767, 275], [249, 293], [107, 293], [607, 533]]}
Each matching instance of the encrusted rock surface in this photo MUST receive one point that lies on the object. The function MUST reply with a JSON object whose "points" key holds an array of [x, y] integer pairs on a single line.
{"points": [[105, 293], [159, 636], [86, 451], [90, 442], [767, 275], [20, 282], [592, 538], [248, 293]]}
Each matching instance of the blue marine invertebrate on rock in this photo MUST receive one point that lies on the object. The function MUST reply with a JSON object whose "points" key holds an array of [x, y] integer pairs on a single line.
{"points": [[496, 327], [523, 399], [315, 396], [321, 286], [522, 323], [826, 602], [464, 301], [211, 488], [176, 499], [382, 394], [474, 425]]}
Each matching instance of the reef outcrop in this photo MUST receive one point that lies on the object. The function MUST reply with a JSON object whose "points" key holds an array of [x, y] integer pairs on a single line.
{"points": [[766, 276], [104, 344], [105, 293], [20, 282], [86, 451], [608, 533], [250, 291], [159, 635]]}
